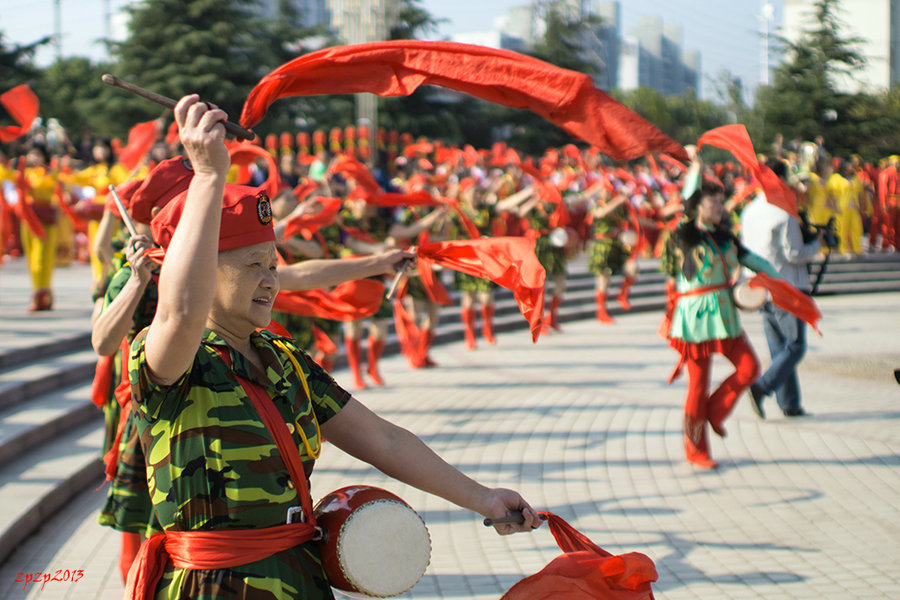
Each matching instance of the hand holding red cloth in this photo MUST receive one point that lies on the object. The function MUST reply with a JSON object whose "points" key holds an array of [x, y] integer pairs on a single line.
{"points": [[398, 67], [509, 262], [586, 571]]}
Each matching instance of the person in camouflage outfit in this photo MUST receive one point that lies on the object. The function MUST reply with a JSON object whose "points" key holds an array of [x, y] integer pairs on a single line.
{"points": [[609, 255], [472, 289], [198, 372]]}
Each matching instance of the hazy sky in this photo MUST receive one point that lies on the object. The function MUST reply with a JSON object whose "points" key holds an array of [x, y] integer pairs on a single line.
{"points": [[726, 33]]}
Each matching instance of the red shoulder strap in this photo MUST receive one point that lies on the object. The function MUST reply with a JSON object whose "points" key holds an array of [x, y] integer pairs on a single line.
{"points": [[274, 422]]}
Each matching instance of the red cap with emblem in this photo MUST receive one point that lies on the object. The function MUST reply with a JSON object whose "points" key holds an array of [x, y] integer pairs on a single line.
{"points": [[170, 177], [246, 218]]}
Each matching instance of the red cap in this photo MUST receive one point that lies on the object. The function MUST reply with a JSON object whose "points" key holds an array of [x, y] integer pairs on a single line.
{"points": [[246, 218], [126, 192], [170, 177]]}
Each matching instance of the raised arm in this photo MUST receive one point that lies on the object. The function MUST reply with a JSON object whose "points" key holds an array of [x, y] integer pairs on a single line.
{"points": [[187, 280], [399, 454], [314, 274]]}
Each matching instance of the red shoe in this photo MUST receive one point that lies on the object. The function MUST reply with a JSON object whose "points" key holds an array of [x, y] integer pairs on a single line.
{"points": [[704, 463], [42, 300], [602, 315], [718, 429]]}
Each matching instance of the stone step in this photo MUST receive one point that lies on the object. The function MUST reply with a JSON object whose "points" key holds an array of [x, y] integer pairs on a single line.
{"points": [[46, 374], [41, 482], [30, 424]]}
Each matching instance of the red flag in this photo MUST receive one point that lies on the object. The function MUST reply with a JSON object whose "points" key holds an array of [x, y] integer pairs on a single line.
{"points": [[350, 301], [390, 199], [789, 298], [586, 571], [23, 106], [435, 290], [397, 68], [507, 261], [246, 153], [736, 140], [23, 209], [409, 335], [307, 225], [358, 172], [141, 138]]}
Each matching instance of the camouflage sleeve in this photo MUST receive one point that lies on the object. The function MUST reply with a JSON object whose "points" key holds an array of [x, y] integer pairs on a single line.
{"points": [[115, 285], [154, 402]]}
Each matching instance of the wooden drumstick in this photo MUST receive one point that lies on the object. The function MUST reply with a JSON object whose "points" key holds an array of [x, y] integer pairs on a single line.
{"points": [[514, 517], [232, 128], [129, 224], [404, 266]]}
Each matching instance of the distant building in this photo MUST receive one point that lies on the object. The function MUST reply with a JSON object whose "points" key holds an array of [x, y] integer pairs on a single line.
{"points": [[875, 21], [312, 12], [652, 56]]}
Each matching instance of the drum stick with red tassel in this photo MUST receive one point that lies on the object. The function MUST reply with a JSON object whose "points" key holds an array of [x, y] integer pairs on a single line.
{"points": [[232, 128]]}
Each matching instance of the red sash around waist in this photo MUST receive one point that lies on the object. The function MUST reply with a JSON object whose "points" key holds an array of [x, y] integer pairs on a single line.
{"points": [[208, 550]]}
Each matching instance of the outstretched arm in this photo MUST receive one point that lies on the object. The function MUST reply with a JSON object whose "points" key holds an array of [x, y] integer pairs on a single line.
{"points": [[314, 274], [398, 453], [187, 280]]}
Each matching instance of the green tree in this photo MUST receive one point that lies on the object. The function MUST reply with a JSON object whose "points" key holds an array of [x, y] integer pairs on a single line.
{"points": [[176, 47], [413, 22], [16, 62], [68, 89], [804, 100]]}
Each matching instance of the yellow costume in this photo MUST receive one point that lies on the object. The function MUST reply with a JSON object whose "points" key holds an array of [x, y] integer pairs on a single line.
{"points": [[819, 209], [99, 177], [41, 253], [849, 221]]}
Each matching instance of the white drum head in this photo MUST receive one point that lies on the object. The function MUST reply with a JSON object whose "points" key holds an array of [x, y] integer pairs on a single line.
{"points": [[747, 298], [558, 237], [384, 548], [628, 238]]}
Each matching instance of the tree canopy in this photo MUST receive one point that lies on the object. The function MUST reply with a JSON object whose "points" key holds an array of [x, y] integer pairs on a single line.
{"points": [[221, 48]]}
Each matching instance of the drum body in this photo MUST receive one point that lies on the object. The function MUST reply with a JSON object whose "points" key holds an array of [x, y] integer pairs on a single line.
{"points": [[374, 544], [748, 298]]}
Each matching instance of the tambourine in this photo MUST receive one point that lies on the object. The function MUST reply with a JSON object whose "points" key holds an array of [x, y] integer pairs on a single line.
{"points": [[748, 298], [373, 543]]}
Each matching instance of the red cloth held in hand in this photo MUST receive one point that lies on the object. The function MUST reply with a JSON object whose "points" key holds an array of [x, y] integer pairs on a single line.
{"points": [[398, 67], [586, 571]]}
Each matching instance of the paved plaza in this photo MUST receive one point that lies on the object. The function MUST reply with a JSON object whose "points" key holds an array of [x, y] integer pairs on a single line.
{"points": [[584, 425]]}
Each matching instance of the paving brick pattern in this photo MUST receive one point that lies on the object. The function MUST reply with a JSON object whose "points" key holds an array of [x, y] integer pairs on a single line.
{"points": [[583, 424]]}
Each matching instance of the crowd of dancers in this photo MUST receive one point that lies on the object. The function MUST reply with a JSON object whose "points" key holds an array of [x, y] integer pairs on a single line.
{"points": [[342, 195]]}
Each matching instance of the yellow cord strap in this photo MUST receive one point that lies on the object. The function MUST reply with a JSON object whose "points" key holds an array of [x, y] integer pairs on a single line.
{"points": [[309, 451]]}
